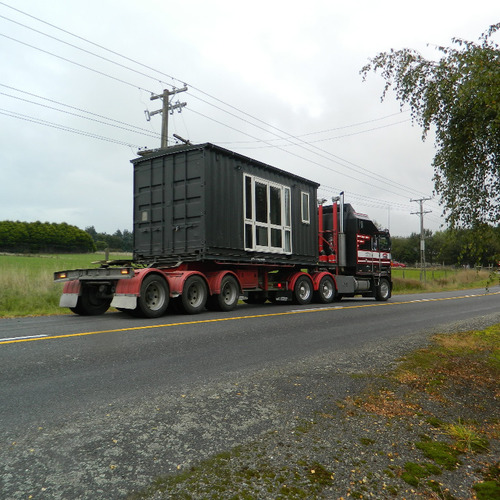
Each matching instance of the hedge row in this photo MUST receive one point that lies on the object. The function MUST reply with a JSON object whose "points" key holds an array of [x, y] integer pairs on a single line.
{"points": [[43, 237]]}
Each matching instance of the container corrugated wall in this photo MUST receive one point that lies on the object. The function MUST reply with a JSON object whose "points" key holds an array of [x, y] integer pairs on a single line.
{"points": [[189, 205]]}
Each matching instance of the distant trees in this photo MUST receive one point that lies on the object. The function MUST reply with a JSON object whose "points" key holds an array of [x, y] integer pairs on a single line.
{"points": [[450, 247], [51, 237], [119, 241], [43, 237]]}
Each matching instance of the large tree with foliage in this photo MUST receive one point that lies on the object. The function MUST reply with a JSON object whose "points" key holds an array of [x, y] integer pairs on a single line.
{"points": [[459, 97]]}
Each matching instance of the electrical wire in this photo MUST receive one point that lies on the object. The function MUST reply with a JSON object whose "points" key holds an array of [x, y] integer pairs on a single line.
{"points": [[360, 169], [28, 118], [291, 153], [142, 132], [288, 137], [73, 62], [76, 47], [78, 109]]}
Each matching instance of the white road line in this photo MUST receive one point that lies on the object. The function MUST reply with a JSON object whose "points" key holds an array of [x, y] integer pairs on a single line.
{"points": [[23, 338]]}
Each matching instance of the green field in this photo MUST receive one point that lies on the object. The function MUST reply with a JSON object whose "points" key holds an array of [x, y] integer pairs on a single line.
{"points": [[26, 281], [27, 288]]}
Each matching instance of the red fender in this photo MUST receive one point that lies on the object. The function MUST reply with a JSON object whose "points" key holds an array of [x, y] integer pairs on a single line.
{"points": [[132, 286], [292, 279], [176, 280], [317, 277], [214, 280]]}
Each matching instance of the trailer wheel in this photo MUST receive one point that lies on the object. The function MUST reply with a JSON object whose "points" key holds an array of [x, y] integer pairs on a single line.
{"points": [[326, 290], [303, 290], [154, 297], [228, 297], [90, 304], [383, 290], [194, 295]]}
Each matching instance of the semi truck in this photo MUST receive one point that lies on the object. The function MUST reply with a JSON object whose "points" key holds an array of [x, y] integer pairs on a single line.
{"points": [[212, 227]]}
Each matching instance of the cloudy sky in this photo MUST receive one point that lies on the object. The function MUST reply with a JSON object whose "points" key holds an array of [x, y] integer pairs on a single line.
{"points": [[275, 80]]}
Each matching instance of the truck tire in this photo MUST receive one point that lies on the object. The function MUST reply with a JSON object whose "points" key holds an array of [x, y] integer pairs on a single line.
{"points": [[383, 290], [303, 291], [228, 297], [154, 298], [194, 295], [326, 290], [89, 303]]}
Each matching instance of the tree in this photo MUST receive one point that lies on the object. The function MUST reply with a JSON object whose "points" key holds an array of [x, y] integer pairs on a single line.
{"points": [[459, 96]]}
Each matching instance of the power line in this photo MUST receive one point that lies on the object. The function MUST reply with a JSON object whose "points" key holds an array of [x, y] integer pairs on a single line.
{"points": [[74, 62], [336, 137], [281, 148], [288, 137], [361, 170], [76, 47], [352, 125], [142, 132], [88, 41], [190, 109], [28, 118], [75, 108]]}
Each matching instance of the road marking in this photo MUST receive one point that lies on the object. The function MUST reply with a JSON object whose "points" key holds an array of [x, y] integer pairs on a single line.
{"points": [[28, 337], [254, 316]]}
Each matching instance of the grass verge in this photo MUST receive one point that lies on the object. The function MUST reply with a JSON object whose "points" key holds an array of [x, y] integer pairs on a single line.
{"points": [[408, 280]]}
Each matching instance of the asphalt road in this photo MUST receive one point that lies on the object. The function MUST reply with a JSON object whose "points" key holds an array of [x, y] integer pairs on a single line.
{"points": [[96, 407]]}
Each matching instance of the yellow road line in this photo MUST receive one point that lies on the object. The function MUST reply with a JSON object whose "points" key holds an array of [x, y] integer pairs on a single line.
{"points": [[217, 320]]}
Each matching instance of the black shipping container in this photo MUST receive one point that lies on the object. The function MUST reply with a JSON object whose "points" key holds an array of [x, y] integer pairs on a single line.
{"points": [[203, 202]]}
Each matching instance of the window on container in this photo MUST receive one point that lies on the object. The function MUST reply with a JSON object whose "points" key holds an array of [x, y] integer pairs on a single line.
{"points": [[249, 236], [261, 233], [248, 197], [275, 205], [288, 241], [260, 202], [267, 216], [306, 217], [287, 204]]}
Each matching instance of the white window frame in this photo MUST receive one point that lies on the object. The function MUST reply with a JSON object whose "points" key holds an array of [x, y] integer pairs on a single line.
{"points": [[250, 223], [306, 217]]}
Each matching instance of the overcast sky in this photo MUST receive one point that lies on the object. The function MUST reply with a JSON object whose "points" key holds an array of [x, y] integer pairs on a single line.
{"points": [[275, 80]]}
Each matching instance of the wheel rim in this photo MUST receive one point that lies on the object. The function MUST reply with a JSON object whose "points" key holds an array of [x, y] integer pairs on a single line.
{"points": [[229, 293], [384, 289], [155, 296], [304, 290], [327, 289], [195, 295]]}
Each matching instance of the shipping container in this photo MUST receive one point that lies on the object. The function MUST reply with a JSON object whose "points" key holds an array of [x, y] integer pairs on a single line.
{"points": [[205, 203]]}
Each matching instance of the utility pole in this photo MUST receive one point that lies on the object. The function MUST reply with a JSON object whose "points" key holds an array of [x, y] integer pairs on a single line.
{"points": [[166, 109], [422, 235]]}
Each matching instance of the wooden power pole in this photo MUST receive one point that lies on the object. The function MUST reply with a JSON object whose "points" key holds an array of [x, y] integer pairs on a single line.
{"points": [[422, 236], [165, 110]]}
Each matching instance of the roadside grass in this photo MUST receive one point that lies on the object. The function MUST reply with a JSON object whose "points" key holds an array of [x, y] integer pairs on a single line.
{"points": [[470, 358], [408, 280], [26, 282], [461, 363]]}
